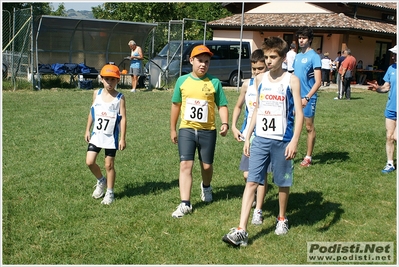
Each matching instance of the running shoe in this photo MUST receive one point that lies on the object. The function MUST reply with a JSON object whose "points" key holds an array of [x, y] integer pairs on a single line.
{"points": [[108, 199], [182, 210], [236, 237], [206, 193], [100, 188], [306, 162], [257, 218], [388, 168], [281, 227]]}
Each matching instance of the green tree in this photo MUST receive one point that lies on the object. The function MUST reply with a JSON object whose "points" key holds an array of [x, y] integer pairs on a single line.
{"points": [[38, 8], [60, 11], [162, 12]]}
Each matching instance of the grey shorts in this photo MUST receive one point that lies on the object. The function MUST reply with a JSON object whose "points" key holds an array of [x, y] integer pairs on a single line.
{"points": [[189, 140], [135, 71], [265, 152]]}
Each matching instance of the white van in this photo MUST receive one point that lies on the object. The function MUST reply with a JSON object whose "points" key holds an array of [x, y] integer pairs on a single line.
{"points": [[224, 63]]}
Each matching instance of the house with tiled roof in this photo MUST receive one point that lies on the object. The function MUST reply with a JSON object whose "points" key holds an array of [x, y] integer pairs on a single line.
{"points": [[369, 29]]}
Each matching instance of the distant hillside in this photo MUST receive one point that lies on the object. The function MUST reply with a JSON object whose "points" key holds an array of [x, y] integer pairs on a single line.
{"points": [[83, 14]]}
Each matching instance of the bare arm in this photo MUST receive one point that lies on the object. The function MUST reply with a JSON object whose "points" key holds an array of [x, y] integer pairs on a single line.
{"points": [[380, 89], [252, 123], [90, 120], [122, 141], [174, 116], [237, 110], [316, 86], [224, 117], [291, 149]]}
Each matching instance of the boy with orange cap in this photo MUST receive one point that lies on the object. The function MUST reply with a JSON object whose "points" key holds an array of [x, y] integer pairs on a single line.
{"points": [[196, 96], [108, 118]]}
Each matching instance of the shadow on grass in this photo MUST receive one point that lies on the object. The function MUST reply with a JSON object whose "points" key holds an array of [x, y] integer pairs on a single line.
{"points": [[147, 188], [304, 209], [330, 157]]}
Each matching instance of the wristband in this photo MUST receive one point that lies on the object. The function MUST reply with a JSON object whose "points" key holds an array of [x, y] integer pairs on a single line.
{"points": [[225, 123], [307, 98]]}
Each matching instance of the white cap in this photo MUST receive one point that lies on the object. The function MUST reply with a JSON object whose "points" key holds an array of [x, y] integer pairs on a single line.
{"points": [[394, 49]]}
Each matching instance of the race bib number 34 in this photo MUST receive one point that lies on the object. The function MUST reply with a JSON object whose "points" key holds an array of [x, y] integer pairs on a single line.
{"points": [[269, 121], [196, 110]]}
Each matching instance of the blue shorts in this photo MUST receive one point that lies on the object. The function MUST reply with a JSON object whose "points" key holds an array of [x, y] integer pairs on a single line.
{"points": [[244, 164], [310, 109], [389, 114], [189, 140], [264, 152]]}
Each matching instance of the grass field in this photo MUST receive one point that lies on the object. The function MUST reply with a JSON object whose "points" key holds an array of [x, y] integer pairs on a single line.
{"points": [[49, 216]]}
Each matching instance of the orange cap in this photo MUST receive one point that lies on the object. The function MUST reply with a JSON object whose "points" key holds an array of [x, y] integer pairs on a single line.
{"points": [[110, 71], [200, 49]]}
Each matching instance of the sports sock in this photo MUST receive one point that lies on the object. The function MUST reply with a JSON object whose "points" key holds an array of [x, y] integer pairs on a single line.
{"points": [[205, 186], [110, 190], [390, 162], [308, 157], [101, 180], [186, 202]]}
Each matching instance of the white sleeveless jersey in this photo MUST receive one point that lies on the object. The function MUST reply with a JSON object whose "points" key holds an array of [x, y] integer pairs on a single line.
{"points": [[275, 117], [106, 118], [250, 101]]}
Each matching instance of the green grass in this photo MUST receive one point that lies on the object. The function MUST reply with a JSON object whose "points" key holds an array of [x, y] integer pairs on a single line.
{"points": [[49, 216]]}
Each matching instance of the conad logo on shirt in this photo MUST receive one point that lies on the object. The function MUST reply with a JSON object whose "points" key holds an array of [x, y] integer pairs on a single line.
{"points": [[273, 97]]}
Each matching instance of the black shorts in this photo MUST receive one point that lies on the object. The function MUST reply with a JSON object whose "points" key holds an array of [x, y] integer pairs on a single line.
{"points": [[189, 140], [108, 152]]}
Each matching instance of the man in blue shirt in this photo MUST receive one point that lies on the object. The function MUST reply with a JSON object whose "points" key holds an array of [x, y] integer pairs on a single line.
{"points": [[390, 79], [307, 67]]}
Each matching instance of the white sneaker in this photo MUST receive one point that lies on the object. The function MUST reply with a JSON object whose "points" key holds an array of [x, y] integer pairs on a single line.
{"points": [[257, 218], [108, 199], [182, 210], [206, 193], [281, 227], [100, 188], [133, 90], [236, 237]]}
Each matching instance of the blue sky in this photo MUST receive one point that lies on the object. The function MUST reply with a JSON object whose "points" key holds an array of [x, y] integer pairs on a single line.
{"points": [[77, 6]]}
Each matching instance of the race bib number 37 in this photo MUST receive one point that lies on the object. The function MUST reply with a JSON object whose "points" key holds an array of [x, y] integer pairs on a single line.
{"points": [[105, 122], [196, 110]]}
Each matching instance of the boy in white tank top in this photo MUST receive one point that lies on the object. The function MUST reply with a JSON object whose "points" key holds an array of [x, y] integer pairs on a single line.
{"points": [[276, 136], [107, 118], [248, 96]]}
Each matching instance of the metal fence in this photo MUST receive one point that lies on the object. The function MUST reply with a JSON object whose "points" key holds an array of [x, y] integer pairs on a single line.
{"points": [[174, 30], [17, 45]]}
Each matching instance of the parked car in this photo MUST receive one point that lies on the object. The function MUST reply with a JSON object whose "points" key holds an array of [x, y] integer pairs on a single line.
{"points": [[224, 63]]}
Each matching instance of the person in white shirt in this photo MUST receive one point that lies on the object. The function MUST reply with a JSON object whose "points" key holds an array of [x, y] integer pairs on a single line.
{"points": [[290, 58], [326, 69]]}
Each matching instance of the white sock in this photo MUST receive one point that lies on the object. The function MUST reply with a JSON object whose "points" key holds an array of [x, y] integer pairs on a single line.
{"points": [[308, 157], [110, 190], [101, 180], [390, 162]]}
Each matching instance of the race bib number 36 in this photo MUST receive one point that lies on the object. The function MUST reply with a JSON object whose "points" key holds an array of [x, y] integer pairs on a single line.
{"points": [[196, 110]]}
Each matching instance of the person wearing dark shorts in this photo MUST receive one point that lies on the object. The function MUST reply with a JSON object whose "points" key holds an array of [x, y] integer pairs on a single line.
{"points": [[196, 97]]}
